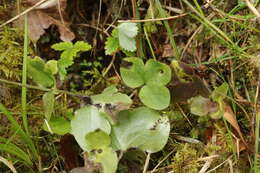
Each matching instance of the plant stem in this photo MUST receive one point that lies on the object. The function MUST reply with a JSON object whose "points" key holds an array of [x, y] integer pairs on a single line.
{"points": [[42, 89], [146, 162], [256, 141], [24, 76]]}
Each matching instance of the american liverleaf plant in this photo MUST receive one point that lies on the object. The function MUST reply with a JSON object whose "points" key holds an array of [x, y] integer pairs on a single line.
{"points": [[152, 78], [108, 125]]}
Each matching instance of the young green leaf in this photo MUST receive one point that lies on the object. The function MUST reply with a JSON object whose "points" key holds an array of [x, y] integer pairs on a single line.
{"points": [[88, 119], [57, 125], [112, 102], [97, 140], [107, 158], [40, 73], [112, 43], [69, 52], [126, 35], [134, 75], [48, 104], [52, 66], [142, 128], [202, 106], [112, 96], [220, 92], [155, 96]]}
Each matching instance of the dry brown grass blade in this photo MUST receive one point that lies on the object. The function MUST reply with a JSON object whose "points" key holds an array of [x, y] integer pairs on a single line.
{"points": [[231, 118], [8, 164]]}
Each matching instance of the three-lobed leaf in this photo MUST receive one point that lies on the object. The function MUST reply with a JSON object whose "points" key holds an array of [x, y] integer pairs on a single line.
{"points": [[153, 75]]}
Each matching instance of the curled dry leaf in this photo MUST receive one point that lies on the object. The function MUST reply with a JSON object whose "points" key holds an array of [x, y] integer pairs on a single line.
{"points": [[231, 118], [42, 17]]}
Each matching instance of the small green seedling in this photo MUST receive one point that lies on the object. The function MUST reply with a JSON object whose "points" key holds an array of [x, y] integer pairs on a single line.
{"points": [[213, 106]]}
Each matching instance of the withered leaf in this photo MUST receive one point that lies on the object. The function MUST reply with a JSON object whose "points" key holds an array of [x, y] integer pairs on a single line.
{"points": [[45, 15]]}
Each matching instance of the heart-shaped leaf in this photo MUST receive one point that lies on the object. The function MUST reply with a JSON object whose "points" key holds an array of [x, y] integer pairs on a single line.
{"points": [[157, 73], [142, 128], [88, 119], [155, 97], [133, 76]]}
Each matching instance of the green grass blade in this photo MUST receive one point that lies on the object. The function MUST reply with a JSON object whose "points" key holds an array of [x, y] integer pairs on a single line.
{"points": [[11, 148], [16, 127], [24, 76]]}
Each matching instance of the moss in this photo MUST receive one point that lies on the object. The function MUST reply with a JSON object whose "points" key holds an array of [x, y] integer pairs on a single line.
{"points": [[186, 160], [11, 53]]}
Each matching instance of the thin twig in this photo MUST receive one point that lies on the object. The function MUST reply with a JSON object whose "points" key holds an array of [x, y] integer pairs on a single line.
{"points": [[23, 13], [252, 8], [154, 169], [8, 164], [153, 20], [106, 71]]}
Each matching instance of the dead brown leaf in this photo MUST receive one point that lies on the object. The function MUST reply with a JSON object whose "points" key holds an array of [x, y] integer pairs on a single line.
{"points": [[42, 17], [231, 118]]}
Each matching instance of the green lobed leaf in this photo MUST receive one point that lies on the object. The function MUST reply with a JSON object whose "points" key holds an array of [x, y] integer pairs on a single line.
{"points": [[140, 128], [39, 74], [62, 46], [155, 96], [128, 29], [48, 104], [112, 43], [218, 95], [157, 73], [57, 125], [126, 36], [88, 119], [220, 92], [134, 75], [82, 46], [69, 52]]}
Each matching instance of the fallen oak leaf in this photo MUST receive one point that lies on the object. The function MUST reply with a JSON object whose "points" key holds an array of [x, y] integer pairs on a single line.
{"points": [[231, 118], [46, 15]]}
